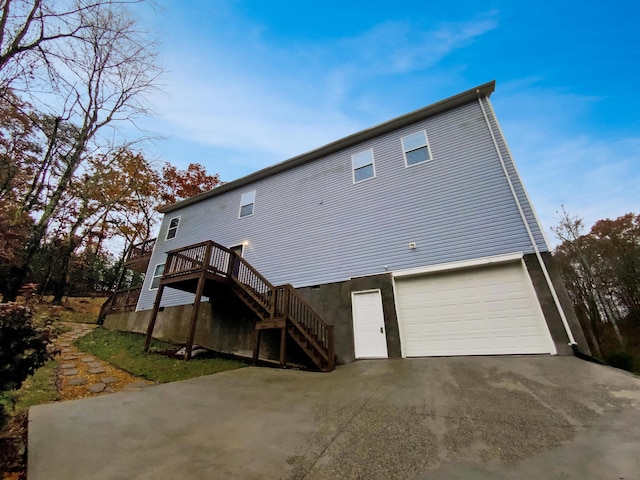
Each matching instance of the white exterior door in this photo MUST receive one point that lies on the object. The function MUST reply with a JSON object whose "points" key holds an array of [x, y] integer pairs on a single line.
{"points": [[368, 325], [478, 311]]}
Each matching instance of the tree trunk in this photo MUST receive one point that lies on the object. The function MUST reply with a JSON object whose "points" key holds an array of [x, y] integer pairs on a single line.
{"points": [[61, 286]]}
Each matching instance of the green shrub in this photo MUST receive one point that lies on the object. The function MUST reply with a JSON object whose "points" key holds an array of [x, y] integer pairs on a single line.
{"points": [[23, 347]]}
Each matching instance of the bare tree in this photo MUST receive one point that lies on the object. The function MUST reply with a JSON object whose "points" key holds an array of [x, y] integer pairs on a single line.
{"points": [[88, 67]]}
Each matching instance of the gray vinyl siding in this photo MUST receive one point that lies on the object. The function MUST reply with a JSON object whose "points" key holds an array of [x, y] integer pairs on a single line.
{"points": [[312, 225]]}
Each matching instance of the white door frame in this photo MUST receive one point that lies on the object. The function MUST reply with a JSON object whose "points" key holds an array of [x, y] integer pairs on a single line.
{"points": [[356, 340]]}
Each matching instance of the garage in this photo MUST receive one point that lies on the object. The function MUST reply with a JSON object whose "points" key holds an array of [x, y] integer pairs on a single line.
{"points": [[486, 309]]}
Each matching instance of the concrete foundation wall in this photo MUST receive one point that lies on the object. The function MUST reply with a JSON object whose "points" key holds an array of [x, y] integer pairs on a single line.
{"points": [[224, 325], [549, 309], [332, 301]]}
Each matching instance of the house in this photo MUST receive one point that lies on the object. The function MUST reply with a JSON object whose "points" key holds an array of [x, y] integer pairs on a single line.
{"points": [[412, 238]]}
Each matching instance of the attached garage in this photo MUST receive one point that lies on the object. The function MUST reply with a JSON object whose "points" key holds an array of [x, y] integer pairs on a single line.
{"points": [[485, 308]]}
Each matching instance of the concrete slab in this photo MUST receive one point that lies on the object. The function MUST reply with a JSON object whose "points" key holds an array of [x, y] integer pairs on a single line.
{"points": [[481, 417]]}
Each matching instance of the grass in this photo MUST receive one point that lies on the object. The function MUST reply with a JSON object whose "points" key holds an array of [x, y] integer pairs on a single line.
{"points": [[81, 309], [39, 388], [124, 350]]}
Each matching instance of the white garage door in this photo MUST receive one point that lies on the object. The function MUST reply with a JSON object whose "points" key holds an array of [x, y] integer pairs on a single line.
{"points": [[479, 311]]}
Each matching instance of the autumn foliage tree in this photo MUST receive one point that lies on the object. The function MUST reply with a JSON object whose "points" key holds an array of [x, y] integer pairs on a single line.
{"points": [[180, 184], [75, 192], [70, 71], [601, 270]]}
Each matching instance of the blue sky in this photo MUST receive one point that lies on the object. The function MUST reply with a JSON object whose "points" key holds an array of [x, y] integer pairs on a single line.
{"points": [[252, 83]]}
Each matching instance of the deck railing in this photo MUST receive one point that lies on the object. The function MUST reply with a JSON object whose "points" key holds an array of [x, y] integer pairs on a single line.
{"points": [[282, 302], [290, 305], [141, 250], [124, 299], [121, 301]]}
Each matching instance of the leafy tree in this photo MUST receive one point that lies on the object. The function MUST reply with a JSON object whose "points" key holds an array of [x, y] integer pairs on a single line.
{"points": [[86, 66], [617, 247], [601, 270], [181, 184]]}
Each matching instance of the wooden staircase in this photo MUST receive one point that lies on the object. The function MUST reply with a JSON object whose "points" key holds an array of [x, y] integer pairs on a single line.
{"points": [[198, 268]]}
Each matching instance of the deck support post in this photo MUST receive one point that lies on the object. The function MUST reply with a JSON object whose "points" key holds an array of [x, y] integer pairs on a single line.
{"points": [[283, 345], [154, 316], [256, 346], [194, 317]]}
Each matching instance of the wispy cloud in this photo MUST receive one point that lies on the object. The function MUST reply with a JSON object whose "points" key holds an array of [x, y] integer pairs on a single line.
{"points": [[400, 47], [562, 163], [591, 178], [234, 98]]}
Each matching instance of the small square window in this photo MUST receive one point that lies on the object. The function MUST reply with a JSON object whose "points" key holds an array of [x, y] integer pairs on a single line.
{"points": [[157, 275], [247, 201], [363, 166], [416, 148], [172, 231]]}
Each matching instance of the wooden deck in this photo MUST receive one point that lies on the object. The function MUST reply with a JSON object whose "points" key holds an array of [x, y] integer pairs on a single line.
{"points": [[140, 255], [201, 268]]}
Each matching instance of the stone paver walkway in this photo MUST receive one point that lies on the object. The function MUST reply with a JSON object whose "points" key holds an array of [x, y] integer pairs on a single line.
{"points": [[81, 375]]}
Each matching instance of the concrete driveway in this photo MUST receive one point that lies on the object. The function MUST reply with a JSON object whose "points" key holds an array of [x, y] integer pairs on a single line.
{"points": [[458, 418]]}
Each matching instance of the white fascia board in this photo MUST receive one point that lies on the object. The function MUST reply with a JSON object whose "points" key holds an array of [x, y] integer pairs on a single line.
{"points": [[443, 267]]}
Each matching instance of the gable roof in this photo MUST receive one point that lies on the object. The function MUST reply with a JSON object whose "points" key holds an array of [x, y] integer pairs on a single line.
{"points": [[450, 103]]}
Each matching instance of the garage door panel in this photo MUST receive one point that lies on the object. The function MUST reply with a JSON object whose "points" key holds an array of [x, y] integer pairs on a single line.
{"points": [[482, 311]]}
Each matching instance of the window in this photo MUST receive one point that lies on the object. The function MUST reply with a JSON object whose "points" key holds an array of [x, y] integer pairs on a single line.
{"points": [[363, 167], [246, 203], [157, 275], [173, 228], [416, 148]]}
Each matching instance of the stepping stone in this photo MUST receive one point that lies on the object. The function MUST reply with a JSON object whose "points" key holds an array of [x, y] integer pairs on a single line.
{"points": [[70, 371], [109, 379], [70, 357], [68, 365], [66, 344], [66, 350], [96, 387], [96, 370], [94, 364], [87, 359], [78, 381]]}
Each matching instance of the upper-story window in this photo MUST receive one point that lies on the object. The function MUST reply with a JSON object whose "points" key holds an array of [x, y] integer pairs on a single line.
{"points": [[416, 148], [172, 231], [247, 201], [363, 167]]}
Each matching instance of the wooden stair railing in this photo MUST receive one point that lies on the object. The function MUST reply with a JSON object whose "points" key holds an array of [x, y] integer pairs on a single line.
{"points": [[120, 301], [277, 307], [306, 327]]}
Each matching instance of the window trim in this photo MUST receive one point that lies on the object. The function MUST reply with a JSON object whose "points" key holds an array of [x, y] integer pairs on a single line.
{"points": [[175, 229], [253, 204], [405, 150], [354, 168], [241, 245], [154, 276]]}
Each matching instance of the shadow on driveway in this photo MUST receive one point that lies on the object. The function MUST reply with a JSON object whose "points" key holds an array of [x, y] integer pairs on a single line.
{"points": [[458, 418]]}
